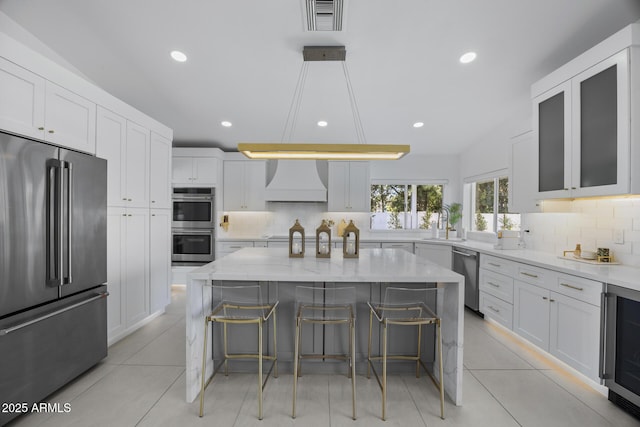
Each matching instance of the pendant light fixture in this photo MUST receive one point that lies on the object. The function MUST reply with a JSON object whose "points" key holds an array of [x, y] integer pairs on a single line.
{"points": [[318, 151]]}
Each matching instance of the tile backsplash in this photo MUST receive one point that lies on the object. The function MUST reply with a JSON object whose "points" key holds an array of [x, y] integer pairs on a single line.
{"points": [[281, 216], [591, 222]]}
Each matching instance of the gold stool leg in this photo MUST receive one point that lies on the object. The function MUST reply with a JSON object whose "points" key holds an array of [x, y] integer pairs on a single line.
{"points": [[419, 351], [384, 371], [204, 365], [259, 370], [352, 341], [441, 370], [369, 351], [295, 366], [275, 344], [226, 351]]}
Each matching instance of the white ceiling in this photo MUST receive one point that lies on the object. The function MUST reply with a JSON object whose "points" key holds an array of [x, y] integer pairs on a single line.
{"points": [[245, 57]]}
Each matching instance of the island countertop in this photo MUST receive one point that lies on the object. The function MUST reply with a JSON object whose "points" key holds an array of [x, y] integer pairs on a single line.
{"points": [[373, 265], [371, 272]]}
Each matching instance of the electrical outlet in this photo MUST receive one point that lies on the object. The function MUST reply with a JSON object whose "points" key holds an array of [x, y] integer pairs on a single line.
{"points": [[618, 236]]}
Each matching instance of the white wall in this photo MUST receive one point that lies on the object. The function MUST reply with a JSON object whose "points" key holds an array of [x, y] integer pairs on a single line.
{"points": [[491, 152]]}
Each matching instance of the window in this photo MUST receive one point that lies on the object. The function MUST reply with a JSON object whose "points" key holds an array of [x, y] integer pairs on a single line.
{"points": [[405, 206], [491, 213]]}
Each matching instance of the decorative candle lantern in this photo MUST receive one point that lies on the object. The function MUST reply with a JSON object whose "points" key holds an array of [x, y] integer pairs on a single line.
{"points": [[351, 241], [296, 241], [323, 240]]}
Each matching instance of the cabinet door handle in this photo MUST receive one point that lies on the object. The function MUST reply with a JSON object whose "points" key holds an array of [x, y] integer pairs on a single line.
{"points": [[566, 285], [545, 298], [493, 284], [524, 273], [552, 300], [493, 309], [40, 128], [494, 264], [51, 131], [565, 189], [574, 188]]}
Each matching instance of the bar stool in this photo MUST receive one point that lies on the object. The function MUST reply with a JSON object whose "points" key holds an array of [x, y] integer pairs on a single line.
{"points": [[240, 305], [405, 307], [325, 306]]}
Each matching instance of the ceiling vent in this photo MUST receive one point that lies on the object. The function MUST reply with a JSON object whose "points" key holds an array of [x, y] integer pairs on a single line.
{"points": [[324, 15]]}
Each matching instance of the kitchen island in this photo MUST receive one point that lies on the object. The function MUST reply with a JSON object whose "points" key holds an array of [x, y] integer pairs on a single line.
{"points": [[370, 273]]}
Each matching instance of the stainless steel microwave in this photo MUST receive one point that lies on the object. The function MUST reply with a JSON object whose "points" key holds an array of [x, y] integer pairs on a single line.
{"points": [[193, 208]]}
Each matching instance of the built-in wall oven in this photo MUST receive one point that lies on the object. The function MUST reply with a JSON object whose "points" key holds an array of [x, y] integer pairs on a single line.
{"points": [[193, 208], [192, 246], [620, 349], [193, 226]]}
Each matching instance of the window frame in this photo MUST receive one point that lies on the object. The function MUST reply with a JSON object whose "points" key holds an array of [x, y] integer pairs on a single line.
{"points": [[409, 203]]}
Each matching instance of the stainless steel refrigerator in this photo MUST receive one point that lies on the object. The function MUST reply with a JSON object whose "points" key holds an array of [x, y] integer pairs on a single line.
{"points": [[53, 266]]}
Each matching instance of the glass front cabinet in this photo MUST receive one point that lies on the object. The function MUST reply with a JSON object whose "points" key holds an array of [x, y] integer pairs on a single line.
{"points": [[582, 127]]}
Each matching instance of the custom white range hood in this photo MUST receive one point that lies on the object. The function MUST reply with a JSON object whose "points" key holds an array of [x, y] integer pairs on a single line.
{"points": [[296, 181]]}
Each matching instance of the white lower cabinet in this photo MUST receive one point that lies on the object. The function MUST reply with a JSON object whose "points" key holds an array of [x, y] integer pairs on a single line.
{"points": [[127, 269], [574, 338], [159, 259], [531, 313], [566, 327], [440, 254], [496, 309], [407, 246], [557, 312]]}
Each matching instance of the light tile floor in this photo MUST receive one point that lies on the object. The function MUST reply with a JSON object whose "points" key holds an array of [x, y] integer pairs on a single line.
{"points": [[506, 383]]}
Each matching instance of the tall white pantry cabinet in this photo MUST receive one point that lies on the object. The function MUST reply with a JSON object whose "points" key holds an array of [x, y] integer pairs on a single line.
{"points": [[42, 100]]}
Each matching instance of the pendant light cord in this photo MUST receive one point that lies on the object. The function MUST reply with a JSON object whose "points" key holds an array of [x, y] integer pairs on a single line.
{"points": [[296, 101], [354, 107]]}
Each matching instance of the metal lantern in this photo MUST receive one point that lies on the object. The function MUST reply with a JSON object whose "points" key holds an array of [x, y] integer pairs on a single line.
{"points": [[296, 241], [323, 240], [351, 241]]}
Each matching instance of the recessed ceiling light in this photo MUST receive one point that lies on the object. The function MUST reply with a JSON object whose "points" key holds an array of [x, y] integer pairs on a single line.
{"points": [[418, 124], [178, 56], [468, 57], [226, 124], [322, 123]]}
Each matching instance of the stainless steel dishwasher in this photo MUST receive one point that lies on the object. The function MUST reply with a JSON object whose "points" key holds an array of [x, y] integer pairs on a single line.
{"points": [[465, 262]]}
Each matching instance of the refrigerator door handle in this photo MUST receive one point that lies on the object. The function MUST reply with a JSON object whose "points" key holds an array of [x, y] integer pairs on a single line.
{"points": [[54, 222], [53, 313], [69, 221]]}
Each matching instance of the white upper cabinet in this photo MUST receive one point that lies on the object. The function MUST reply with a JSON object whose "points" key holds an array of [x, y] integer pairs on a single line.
{"points": [[137, 165], [111, 141], [70, 120], [349, 187], [37, 108], [582, 120], [523, 190], [126, 147], [22, 100], [196, 171], [159, 169], [244, 185]]}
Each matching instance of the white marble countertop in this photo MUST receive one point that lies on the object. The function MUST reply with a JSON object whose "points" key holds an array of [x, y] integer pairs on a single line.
{"points": [[621, 275], [373, 265]]}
